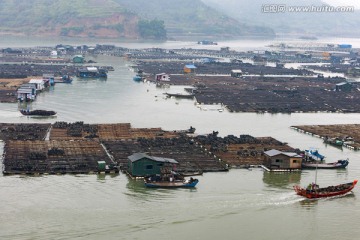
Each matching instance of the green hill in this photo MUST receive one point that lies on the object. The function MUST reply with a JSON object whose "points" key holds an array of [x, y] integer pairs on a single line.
{"points": [[135, 19], [193, 18]]}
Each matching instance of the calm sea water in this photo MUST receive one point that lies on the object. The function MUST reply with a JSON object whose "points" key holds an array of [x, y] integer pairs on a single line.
{"points": [[239, 204]]}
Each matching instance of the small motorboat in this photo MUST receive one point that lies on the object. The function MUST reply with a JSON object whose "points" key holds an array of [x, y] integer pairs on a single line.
{"points": [[37, 113], [158, 182], [320, 165], [137, 78], [313, 190]]}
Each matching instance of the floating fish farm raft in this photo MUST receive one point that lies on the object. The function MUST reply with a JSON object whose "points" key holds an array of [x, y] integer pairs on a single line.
{"points": [[347, 135], [271, 94], [23, 131], [92, 148]]}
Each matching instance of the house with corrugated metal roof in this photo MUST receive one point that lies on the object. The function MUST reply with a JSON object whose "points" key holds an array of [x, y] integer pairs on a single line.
{"points": [[141, 164], [343, 86], [26, 92], [39, 83], [275, 159]]}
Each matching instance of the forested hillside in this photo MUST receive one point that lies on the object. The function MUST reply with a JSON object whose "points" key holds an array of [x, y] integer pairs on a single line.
{"points": [[155, 19]]}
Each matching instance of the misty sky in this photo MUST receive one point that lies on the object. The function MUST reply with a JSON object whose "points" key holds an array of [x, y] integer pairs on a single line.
{"points": [[355, 3]]}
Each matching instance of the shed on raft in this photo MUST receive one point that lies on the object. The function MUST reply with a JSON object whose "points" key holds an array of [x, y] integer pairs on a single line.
{"points": [[141, 164], [276, 159]]}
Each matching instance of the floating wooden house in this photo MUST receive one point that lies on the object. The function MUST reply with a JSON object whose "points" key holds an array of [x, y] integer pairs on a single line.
{"points": [[141, 164], [39, 84], [343, 86], [277, 160], [162, 77], [189, 68], [91, 72], [49, 79], [26, 92], [78, 59], [236, 73]]}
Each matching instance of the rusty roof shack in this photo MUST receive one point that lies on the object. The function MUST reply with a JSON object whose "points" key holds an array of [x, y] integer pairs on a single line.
{"points": [[142, 165], [277, 160]]}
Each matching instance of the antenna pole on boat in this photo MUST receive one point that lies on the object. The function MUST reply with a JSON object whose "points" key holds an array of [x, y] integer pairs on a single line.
{"points": [[316, 173]]}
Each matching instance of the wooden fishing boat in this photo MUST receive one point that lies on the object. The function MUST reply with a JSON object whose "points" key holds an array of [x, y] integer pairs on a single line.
{"points": [[333, 165], [37, 113], [155, 183], [180, 95], [313, 191]]}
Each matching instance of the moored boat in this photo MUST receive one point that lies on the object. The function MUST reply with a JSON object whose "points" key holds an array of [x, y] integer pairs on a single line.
{"points": [[37, 113], [313, 191], [180, 95], [137, 78], [158, 182], [333, 165]]}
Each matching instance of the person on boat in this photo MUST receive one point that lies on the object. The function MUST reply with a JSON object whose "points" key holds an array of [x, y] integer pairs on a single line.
{"points": [[314, 186]]}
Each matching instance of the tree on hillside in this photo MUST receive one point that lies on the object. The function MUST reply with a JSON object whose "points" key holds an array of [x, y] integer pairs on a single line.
{"points": [[152, 29]]}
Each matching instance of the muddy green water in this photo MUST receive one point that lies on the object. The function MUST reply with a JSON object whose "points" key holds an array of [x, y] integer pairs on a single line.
{"points": [[239, 204]]}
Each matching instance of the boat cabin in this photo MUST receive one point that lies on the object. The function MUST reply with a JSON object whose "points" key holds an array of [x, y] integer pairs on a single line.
{"points": [[276, 159], [141, 164]]}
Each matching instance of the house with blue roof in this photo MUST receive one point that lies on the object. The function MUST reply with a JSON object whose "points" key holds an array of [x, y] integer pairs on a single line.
{"points": [[189, 68]]}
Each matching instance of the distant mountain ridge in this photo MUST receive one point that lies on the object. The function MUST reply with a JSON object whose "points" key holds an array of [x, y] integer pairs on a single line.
{"points": [[333, 24], [132, 19]]}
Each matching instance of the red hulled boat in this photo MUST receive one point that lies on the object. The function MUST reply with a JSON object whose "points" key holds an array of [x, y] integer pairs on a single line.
{"points": [[331, 191]]}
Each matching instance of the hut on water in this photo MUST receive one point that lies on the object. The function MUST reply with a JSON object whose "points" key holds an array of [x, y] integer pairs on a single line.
{"points": [[189, 68], [141, 164], [276, 159]]}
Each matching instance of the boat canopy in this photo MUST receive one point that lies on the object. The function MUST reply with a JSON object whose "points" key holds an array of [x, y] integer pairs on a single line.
{"points": [[314, 154]]}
